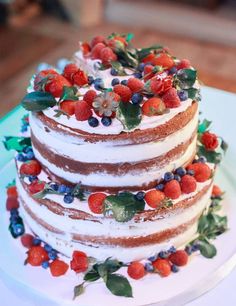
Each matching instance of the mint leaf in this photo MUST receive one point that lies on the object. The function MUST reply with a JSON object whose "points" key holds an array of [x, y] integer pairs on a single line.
{"points": [[129, 115], [119, 285], [37, 101], [16, 143], [78, 290], [69, 93], [207, 249], [186, 78], [203, 126]]}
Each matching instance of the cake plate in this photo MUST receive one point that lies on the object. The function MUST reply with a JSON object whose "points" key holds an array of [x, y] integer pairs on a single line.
{"points": [[199, 276]]}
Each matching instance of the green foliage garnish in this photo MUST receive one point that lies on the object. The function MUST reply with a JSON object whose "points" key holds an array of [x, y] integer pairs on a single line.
{"points": [[16, 143], [129, 114], [38, 101]]}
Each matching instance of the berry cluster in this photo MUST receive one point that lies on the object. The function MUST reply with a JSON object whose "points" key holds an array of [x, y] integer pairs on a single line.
{"points": [[24, 123]]}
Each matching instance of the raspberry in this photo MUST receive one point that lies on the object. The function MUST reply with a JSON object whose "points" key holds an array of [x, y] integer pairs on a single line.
{"points": [[202, 172], [41, 75], [160, 86], [153, 106], [210, 141], [79, 262], [163, 60], [58, 267], [80, 78], [162, 266], [95, 202], [31, 167], [12, 191], [135, 85], [96, 51], [107, 55], [55, 85], [154, 198], [136, 270], [27, 240], [97, 39], [184, 64], [123, 91], [172, 189], [37, 255], [69, 71], [68, 107], [82, 111], [36, 186], [179, 258], [171, 98], [12, 203], [188, 184], [216, 191], [89, 96]]}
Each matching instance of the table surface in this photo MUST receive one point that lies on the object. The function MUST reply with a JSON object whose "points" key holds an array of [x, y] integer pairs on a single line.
{"points": [[218, 106]]}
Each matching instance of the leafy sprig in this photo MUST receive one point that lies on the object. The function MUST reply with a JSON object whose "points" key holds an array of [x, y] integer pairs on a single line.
{"points": [[16, 143], [129, 114]]}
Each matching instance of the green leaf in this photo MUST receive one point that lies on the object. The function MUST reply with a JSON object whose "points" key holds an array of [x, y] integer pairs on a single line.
{"points": [[78, 290], [91, 276], [207, 249], [78, 192], [69, 93], [129, 115], [12, 183], [202, 224], [186, 78], [37, 101], [127, 58], [16, 143], [123, 206], [119, 285], [211, 156], [59, 113], [194, 94], [224, 146], [129, 37], [142, 53], [204, 125], [118, 67], [112, 265]]}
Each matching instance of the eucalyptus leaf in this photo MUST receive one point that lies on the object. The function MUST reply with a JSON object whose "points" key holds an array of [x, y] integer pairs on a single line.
{"points": [[129, 115], [119, 285], [37, 101]]}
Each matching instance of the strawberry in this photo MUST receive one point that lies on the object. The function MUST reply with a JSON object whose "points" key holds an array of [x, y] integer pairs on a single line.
{"points": [[79, 262], [12, 203], [58, 267], [171, 98], [188, 184], [135, 85], [107, 55], [12, 191], [36, 186], [202, 172], [69, 71], [123, 91], [82, 111], [89, 96], [27, 240], [163, 60], [55, 85], [149, 58], [50, 73], [153, 106], [184, 64], [97, 39], [85, 47], [121, 39], [96, 51], [148, 72], [179, 258], [154, 198], [37, 255], [80, 78], [136, 270], [96, 202], [31, 167], [216, 191], [160, 86], [172, 189], [68, 106], [210, 141], [162, 266]]}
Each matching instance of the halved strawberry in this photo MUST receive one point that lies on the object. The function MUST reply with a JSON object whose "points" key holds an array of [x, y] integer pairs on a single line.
{"points": [[58, 267], [153, 106], [68, 106]]}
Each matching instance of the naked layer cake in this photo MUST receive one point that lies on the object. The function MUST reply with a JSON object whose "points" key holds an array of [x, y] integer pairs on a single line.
{"points": [[117, 167]]}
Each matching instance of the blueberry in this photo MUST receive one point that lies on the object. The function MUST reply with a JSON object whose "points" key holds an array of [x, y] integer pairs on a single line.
{"points": [[27, 149], [173, 70], [174, 269], [106, 121], [115, 81], [98, 84], [188, 249], [124, 82], [24, 128], [140, 195], [195, 247], [180, 171], [183, 95], [172, 250], [90, 80], [14, 212], [168, 176], [52, 254], [136, 98], [160, 187], [68, 198], [54, 187], [30, 155], [18, 229], [20, 157], [113, 71], [45, 264], [138, 75], [202, 159], [153, 258], [195, 161], [149, 267], [62, 188], [36, 241], [177, 178], [68, 189], [93, 122], [190, 172], [14, 219], [163, 254], [32, 178], [47, 248], [141, 67]]}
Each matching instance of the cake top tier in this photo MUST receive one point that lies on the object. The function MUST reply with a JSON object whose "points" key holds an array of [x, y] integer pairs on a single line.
{"points": [[111, 87]]}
